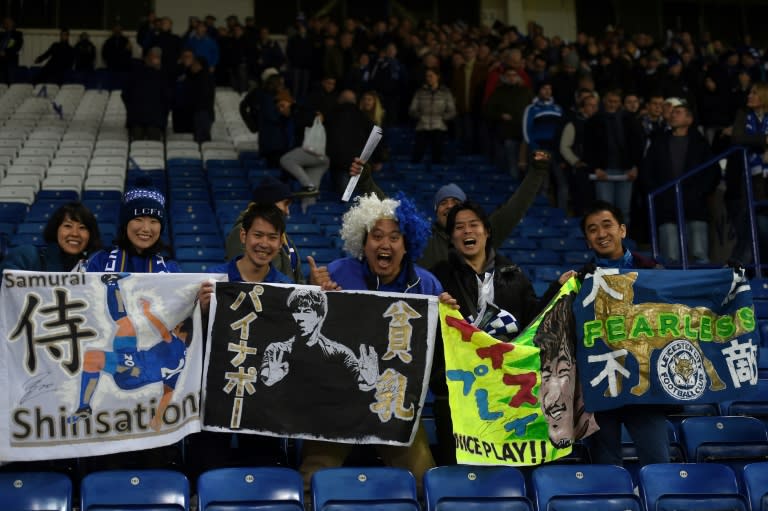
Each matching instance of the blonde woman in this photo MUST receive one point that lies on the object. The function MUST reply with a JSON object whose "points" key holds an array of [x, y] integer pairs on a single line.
{"points": [[370, 105]]}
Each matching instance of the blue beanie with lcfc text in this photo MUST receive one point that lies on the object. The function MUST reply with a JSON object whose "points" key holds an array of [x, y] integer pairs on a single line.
{"points": [[142, 201]]}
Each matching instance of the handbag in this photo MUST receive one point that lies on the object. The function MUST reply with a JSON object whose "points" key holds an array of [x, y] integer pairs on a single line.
{"points": [[314, 138]]}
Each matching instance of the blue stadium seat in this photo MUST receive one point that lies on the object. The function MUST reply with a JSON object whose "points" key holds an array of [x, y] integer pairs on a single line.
{"points": [[219, 164], [185, 172], [231, 194], [520, 244], [321, 255], [67, 195], [251, 488], [723, 437], [12, 211], [35, 490], [763, 328], [333, 208], [302, 228], [192, 194], [536, 231], [759, 288], [755, 406], [584, 487], [546, 273], [134, 489], [690, 486], [186, 183], [176, 163], [311, 240], [563, 244], [105, 195], [380, 488], [196, 254], [578, 257], [8, 228], [31, 228], [529, 257], [208, 227], [27, 239], [200, 207], [198, 240], [467, 487], [199, 266], [761, 309], [756, 482]]}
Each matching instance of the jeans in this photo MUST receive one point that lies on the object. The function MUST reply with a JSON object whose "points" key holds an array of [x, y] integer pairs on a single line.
{"points": [[307, 168], [646, 426], [512, 157], [618, 193], [698, 241]]}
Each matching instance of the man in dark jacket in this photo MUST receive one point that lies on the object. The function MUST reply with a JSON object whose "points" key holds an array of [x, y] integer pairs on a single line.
{"points": [[11, 42], [116, 51], [147, 98], [604, 229], [85, 54], [347, 129], [60, 56], [613, 145], [572, 152], [200, 90], [669, 156], [169, 43], [505, 107]]}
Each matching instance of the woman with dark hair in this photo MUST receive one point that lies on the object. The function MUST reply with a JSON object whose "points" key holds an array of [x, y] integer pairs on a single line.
{"points": [[71, 234], [138, 244], [492, 293]]}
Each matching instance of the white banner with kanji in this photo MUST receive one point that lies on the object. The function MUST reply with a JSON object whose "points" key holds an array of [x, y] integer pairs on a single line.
{"points": [[95, 363]]}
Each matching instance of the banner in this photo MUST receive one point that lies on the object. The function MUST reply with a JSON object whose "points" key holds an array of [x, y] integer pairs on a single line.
{"points": [[294, 361], [96, 363], [515, 403], [665, 337]]}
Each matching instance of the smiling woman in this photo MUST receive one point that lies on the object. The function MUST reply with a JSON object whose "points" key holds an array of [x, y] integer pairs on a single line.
{"points": [[71, 234]]}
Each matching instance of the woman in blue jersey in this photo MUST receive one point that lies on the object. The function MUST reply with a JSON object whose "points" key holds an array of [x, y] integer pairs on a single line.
{"points": [[70, 235], [138, 245]]}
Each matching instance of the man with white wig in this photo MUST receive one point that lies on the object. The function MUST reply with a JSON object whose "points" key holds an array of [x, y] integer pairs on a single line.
{"points": [[382, 238]]}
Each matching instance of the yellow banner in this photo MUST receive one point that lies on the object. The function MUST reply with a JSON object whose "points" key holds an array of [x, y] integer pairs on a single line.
{"points": [[501, 411]]}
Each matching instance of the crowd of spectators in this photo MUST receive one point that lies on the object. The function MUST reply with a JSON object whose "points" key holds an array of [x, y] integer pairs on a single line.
{"points": [[605, 117]]}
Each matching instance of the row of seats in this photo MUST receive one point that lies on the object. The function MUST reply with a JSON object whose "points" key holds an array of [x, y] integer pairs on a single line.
{"points": [[679, 486]]}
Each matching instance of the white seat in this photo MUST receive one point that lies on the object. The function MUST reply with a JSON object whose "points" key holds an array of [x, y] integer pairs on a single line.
{"points": [[71, 160], [219, 155], [22, 180], [45, 135], [108, 160], [106, 170], [146, 153], [76, 144], [183, 153], [73, 183], [74, 152], [105, 183], [27, 152], [146, 144], [41, 144], [66, 170], [24, 194], [147, 163], [112, 143], [173, 145], [29, 170], [32, 160], [110, 151], [216, 145]]}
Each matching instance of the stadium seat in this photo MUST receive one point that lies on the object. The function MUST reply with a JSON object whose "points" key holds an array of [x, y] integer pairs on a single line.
{"points": [[134, 489], [49, 491], [195, 254], [755, 406], [690, 486], [202, 227], [759, 288], [375, 488], [584, 487], [724, 438], [199, 266], [755, 477], [257, 488], [198, 240], [467, 487]]}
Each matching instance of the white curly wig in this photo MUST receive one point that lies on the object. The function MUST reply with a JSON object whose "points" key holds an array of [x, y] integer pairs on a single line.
{"points": [[360, 219]]}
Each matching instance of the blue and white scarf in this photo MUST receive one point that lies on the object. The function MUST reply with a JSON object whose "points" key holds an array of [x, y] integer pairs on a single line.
{"points": [[757, 126]]}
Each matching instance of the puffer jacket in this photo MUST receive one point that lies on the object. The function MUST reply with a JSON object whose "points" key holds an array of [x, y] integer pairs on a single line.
{"points": [[432, 107]]}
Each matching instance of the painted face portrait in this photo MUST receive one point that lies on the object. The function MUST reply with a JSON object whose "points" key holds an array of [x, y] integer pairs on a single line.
{"points": [[558, 374]]}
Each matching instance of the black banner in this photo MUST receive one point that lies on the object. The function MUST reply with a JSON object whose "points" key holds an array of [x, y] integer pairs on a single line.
{"points": [[299, 362]]}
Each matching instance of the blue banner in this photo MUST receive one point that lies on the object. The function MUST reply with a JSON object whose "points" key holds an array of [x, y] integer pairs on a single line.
{"points": [[665, 337]]}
